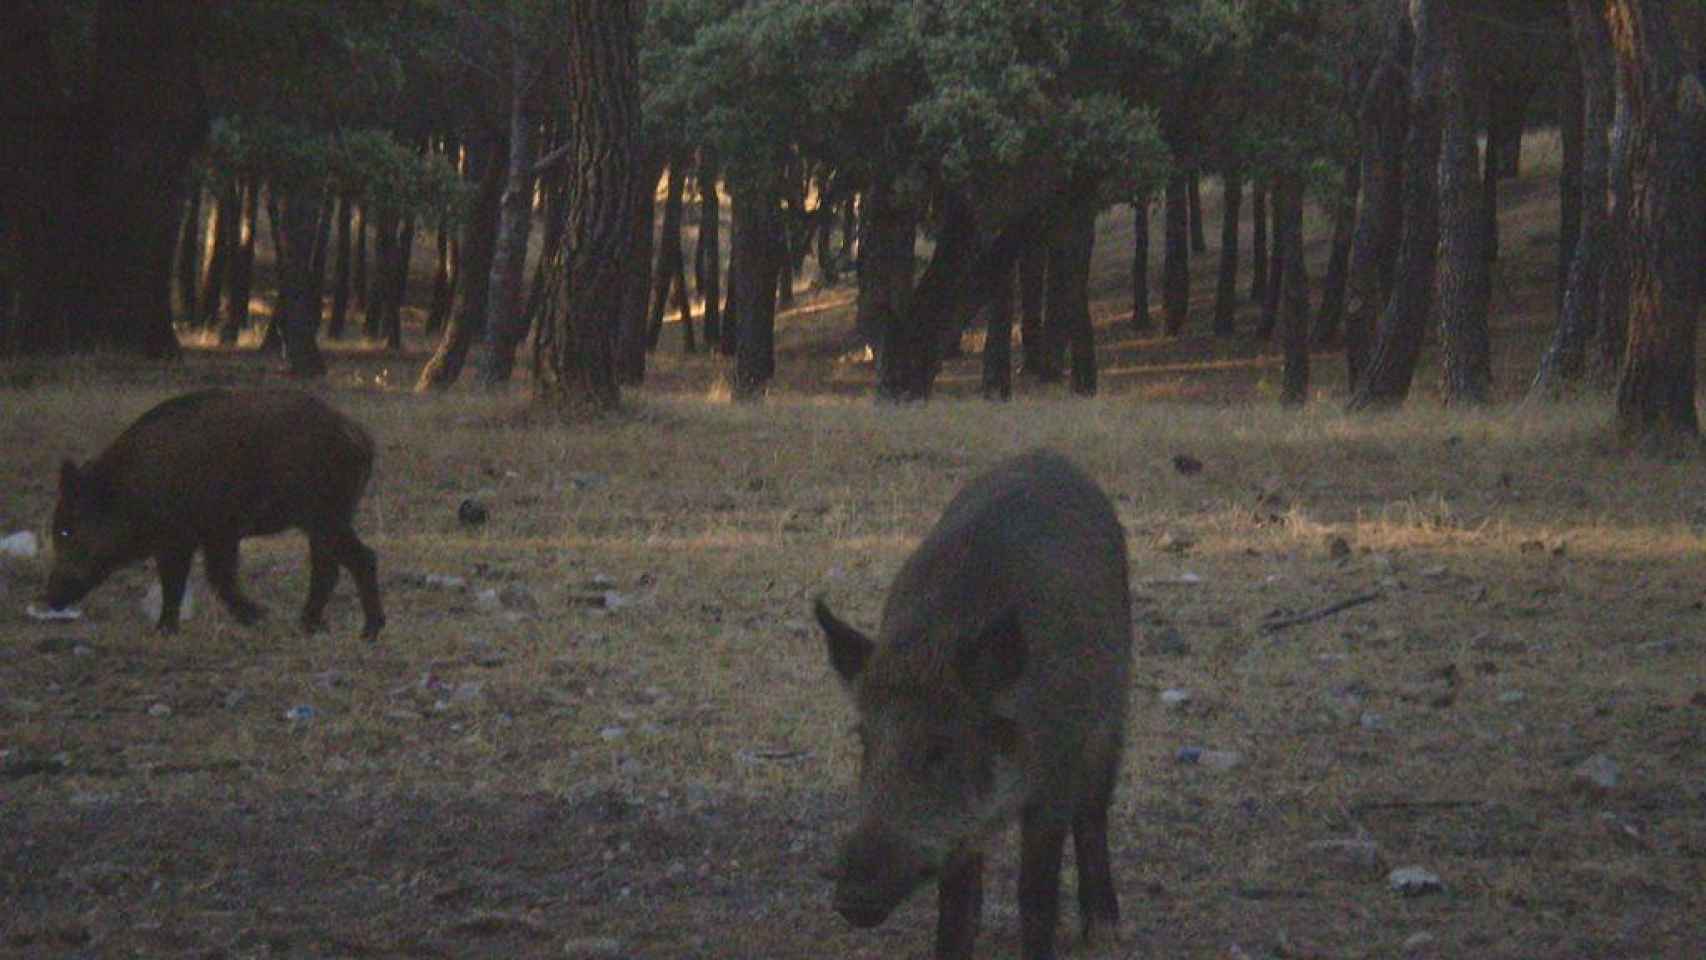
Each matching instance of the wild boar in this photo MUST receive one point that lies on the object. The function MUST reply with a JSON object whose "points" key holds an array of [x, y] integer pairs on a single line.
{"points": [[203, 471], [995, 689]]}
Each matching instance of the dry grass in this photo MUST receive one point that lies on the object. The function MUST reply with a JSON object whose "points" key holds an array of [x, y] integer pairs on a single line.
{"points": [[669, 771]]}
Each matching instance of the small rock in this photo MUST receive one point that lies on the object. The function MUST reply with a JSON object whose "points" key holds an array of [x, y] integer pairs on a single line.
{"points": [[160, 710], [1186, 464], [38, 612], [82, 650], [235, 698], [1175, 698], [612, 733], [467, 690], [1414, 881], [21, 544], [1372, 720], [471, 513], [300, 713], [1188, 754], [445, 581], [1598, 770], [329, 679], [1512, 696], [1213, 759], [487, 600], [587, 481], [1416, 942]]}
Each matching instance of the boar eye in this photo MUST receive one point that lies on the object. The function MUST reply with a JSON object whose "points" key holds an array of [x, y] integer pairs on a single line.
{"points": [[62, 534]]}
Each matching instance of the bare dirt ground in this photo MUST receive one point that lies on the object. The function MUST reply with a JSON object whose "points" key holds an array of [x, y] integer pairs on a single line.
{"points": [[600, 724]]}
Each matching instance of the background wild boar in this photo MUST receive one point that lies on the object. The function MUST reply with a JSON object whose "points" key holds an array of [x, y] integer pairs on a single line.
{"points": [[205, 470], [996, 688]]}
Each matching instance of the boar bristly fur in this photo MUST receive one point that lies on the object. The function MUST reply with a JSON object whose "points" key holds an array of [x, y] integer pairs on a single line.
{"points": [[995, 690], [205, 470]]}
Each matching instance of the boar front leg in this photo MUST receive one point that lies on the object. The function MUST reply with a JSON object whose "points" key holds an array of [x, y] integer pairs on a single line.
{"points": [[1098, 904], [173, 565], [1042, 841], [220, 557], [959, 906]]}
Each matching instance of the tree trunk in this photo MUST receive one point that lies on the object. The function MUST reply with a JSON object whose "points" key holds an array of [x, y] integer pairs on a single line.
{"points": [[322, 245], [397, 277], [1033, 278], [1268, 319], [222, 252], [1288, 257], [1667, 219], [998, 342], [1571, 117], [758, 244], [1615, 277], [1259, 253], [506, 324], [1176, 258], [385, 232], [479, 238], [634, 337], [885, 291], [603, 93], [1226, 287], [446, 247], [671, 275], [1509, 93], [298, 316], [358, 265], [1565, 360], [242, 272], [1199, 239], [1462, 283], [1332, 315], [98, 185], [189, 257], [1383, 124], [707, 256], [1140, 322], [1067, 320], [1403, 323], [340, 270]]}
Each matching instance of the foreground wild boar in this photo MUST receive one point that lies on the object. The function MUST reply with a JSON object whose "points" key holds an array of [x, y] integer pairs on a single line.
{"points": [[996, 688], [205, 470]]}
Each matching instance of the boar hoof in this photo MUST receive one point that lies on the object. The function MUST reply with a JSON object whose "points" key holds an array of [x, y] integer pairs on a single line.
{"points": [[315, 624], [370, 630]]}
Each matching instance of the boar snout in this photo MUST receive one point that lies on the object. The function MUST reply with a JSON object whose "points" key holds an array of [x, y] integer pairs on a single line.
{"points": [[873, 875]]}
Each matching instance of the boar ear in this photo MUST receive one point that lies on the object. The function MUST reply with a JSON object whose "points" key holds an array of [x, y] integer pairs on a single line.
{"points": [[848, 648], [991, 663]]}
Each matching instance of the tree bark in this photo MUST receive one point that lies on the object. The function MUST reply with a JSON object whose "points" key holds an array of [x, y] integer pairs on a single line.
{"points": [[998, 342], [1565, 360], [95, 190], [1068, 310], [1176, 257], [759, 244], [1199, 239], [242, 272], [1331, 319], [671, 274], [1667, 220], [1615, 277], [1403, 323], [633, 337], [1033, 278], [1288, 248], [227, 217], [468, 321], [1572, 109], [1463, 285], [298, 319], [1259, 252], [506, 323], [189, 257], [1140, 322], [707, 257], [604, 112], [884, 309], [340, 270], [358, 264], [1226, 288], [1268, 319], [1383, 124]]}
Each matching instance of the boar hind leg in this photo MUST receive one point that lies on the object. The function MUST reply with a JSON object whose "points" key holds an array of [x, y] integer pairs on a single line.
{"points": [[1042, 840], [1098, 904], [363, 567], [173, 565], [959, 899], [322, 577], [220, 558]]}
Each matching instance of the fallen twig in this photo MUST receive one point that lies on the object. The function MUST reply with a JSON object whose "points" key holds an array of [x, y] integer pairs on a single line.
{"points": [[1274, 626]]}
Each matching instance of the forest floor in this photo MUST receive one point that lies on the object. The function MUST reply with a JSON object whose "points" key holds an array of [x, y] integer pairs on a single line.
{"points": [[601, 724]]}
